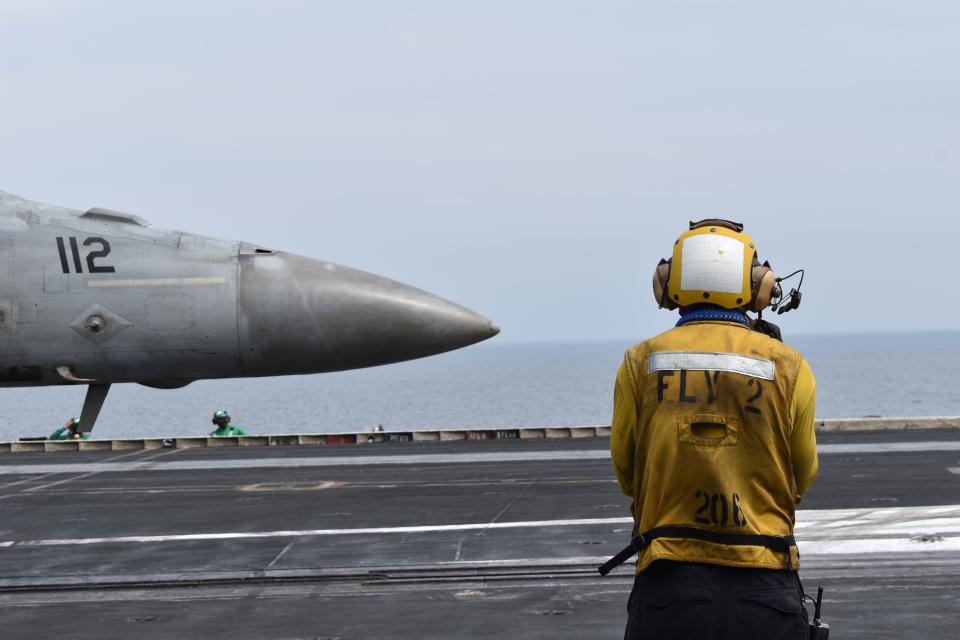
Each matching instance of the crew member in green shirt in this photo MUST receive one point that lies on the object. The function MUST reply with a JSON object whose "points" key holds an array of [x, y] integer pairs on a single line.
{"points": [[70, 431], [224, 428]]}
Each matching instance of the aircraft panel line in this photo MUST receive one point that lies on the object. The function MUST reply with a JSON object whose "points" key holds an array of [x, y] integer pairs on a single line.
{"points": [[155, 282]]}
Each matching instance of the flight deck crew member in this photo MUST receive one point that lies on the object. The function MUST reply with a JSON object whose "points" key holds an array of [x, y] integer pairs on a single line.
{"points": [[69, 431], [712, 437], [224, 428]]}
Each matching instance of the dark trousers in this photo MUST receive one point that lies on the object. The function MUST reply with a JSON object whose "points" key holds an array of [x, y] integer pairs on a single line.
{"points": [[679, 600]]}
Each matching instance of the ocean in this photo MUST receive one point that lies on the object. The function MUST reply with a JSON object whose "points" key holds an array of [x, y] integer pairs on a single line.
{"points": [[493, 384]]}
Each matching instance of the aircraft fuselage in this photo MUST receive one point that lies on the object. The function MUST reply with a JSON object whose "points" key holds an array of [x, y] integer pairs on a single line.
{"points": [[101, 297]]}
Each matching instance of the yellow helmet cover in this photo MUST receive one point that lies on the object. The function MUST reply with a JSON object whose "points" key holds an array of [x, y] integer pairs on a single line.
{"points": [[712, 264]]}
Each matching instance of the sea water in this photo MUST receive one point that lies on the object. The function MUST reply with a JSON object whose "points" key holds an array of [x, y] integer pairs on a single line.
{"points": [[493, 384]]}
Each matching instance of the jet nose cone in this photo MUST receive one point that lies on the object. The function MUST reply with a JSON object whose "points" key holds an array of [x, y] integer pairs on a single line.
{"points": [[299, 315], [414, 314]]}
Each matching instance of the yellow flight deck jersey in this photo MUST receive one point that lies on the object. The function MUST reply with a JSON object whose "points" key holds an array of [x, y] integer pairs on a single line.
{"points": [[713, 429]]}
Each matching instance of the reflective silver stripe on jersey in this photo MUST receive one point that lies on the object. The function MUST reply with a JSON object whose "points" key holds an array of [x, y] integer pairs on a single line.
{"points": [[708, 361]]}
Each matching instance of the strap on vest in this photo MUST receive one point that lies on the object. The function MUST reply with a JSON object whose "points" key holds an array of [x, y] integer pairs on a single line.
{"points": [[781, 544]]}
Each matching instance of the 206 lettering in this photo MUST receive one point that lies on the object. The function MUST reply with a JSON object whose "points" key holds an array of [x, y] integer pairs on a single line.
{"points": [[92, 255], [715, 509]]}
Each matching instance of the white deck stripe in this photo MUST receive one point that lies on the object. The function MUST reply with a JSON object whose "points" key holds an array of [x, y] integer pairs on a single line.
{"points": [[324, 532], [155, 282], [316, 461], [865, 546], [864, 531], [710, 361], [889, 447], [417, 459]]}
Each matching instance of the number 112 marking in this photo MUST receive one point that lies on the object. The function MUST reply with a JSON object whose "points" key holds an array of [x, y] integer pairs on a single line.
{"points": [[92, 256]]}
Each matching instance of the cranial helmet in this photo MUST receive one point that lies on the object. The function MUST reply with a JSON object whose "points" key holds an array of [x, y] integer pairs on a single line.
{"points": [[715, 262], [221, 418]]}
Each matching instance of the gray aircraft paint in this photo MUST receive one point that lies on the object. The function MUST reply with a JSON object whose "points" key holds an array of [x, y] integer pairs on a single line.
{"points": [[101, 297]]}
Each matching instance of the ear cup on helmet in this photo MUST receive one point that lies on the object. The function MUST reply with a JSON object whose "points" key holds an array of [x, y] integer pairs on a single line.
{"points": [[661, 278], [763, 286]]}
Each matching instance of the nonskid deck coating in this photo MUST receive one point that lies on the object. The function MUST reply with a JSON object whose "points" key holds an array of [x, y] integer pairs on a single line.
{"points": [[485, 581]]}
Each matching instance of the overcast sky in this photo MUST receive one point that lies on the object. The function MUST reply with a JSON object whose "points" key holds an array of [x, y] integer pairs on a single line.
{"points": [[531, 160]]}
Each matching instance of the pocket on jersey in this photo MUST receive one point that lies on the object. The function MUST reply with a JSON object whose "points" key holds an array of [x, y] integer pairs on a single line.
{"points": [[708, 430]]}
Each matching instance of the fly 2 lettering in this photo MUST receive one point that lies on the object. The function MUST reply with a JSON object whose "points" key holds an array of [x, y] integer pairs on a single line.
{"points": [[715, 509], [710, 385], [91, 258]]}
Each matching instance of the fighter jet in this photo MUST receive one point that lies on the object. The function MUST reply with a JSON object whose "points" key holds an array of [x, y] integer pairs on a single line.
{"points": [[100, 297]]}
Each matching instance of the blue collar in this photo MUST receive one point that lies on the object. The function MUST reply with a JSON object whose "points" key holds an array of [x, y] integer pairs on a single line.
{"points": [[714, 313]]}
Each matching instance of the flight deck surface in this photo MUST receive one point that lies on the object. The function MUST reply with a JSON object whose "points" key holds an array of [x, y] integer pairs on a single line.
{"points": [[475, 539]]}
